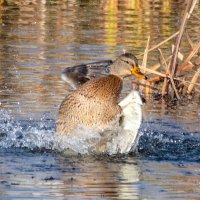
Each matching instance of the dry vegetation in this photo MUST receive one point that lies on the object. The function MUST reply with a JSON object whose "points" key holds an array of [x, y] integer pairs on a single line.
{"points": [[175, 77]]}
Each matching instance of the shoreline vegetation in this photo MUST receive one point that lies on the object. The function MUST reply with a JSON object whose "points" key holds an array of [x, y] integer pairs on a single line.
{"points": [[171, 79]]}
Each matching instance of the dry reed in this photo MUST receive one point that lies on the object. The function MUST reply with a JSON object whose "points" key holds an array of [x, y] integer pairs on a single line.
{"points": [[173, 80]]}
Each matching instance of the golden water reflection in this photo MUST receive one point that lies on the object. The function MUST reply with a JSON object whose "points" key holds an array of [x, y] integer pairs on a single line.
{"points": [[38, 39]]}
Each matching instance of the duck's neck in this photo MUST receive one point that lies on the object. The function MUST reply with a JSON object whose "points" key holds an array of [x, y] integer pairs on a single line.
{"points": [[115, 68], [106, 88]]}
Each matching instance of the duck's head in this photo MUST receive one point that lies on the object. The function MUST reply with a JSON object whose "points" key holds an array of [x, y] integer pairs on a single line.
{"points": [[126, 65]]}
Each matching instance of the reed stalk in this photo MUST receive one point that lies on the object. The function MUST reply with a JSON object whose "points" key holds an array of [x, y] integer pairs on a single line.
{"points": [[193, 81]]}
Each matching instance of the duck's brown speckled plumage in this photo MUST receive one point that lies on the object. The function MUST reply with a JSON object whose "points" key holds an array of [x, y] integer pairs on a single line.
{"points": [[93, 105]]}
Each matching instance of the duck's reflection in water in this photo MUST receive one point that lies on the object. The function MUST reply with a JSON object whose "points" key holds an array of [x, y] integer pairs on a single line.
{"points": [[68, 177], [100, 178], [39, 175]]}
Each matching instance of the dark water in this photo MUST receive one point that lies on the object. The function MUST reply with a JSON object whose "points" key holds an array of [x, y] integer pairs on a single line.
{"points": [[38, 39]]}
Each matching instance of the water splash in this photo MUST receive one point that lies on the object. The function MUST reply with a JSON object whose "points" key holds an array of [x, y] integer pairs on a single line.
{"points": [[25, 133], [40, 135], [166, 140]]}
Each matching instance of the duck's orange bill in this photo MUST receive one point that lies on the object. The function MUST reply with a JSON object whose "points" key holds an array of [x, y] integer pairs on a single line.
{"points": [[136, 71]]}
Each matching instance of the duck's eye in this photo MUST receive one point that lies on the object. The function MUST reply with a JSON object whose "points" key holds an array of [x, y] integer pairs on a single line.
{"points": [[127, 62]]}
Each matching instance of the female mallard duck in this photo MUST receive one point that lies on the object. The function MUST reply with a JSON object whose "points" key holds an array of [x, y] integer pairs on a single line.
{"points": [[94, 104]]}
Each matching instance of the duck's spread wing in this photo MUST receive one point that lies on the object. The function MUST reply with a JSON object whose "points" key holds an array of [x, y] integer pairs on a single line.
{"points": [[79, 74]]}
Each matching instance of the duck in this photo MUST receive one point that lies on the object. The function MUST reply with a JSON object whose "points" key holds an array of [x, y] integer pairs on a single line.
{"points": [[94, 103], [77, 75]]}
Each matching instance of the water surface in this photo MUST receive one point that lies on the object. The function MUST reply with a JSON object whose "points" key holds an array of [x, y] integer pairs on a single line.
{"points": [[38, 39]]}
